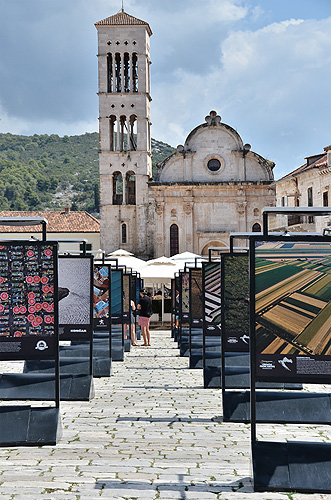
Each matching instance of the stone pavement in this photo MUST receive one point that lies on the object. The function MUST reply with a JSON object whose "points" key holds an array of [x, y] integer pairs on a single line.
{"points": [[151, 432]]}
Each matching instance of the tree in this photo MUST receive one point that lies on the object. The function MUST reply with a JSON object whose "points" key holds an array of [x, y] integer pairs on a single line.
{"points": [[96, 197], [18, 204], [31, 198]]}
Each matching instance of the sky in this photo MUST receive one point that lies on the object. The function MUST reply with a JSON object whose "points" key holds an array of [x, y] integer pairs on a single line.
{"points": [[263, 65]]}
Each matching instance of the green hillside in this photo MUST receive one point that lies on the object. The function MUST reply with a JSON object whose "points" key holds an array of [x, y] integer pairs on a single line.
{"points": [[48, 171]]}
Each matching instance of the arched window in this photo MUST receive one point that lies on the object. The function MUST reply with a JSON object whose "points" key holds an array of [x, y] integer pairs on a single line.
{"points": [[109, 72], [133, 133], [174, 240], [256, 212], [112, 125], [117, 188], [215, 244], [134, 72], [124, 233], [256, 228], [130, 182], [123, 129], [126, 70], [118, 72]]}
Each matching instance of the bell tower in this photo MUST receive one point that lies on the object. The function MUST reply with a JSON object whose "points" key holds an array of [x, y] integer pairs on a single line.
{"points": [[125, 164]]}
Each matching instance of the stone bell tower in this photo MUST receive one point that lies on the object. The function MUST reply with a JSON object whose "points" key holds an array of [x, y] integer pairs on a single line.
{"points": [[125, 163]]}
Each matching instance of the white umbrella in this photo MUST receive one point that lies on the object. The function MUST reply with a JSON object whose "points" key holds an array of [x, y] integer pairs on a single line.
{"points": [[159, 271], [127, 259], [120, 252], [99, 254], [186, 258]]}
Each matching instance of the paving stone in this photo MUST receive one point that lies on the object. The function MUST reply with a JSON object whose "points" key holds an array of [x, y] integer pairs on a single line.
{"points": [[152, 432]]}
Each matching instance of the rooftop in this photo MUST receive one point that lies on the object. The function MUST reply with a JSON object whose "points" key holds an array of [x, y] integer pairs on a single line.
{"points": [[123, 19], [58, 222], [316, 161]]}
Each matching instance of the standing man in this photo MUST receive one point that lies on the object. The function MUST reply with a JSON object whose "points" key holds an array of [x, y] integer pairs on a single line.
{"points": [[145, 312]]}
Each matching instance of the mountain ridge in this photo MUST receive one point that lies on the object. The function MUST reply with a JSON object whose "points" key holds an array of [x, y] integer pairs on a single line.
{"points": [[41, 172]]}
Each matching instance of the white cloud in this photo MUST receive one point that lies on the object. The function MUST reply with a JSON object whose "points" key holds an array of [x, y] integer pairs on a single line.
{"points": [[216, 11], [250, 50], [272, 84]]}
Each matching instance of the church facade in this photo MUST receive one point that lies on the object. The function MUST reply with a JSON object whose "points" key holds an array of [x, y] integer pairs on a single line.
{"points": [[211, 186]]}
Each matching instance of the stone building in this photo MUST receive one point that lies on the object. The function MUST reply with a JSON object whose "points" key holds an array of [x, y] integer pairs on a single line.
{"points": [[210, 186], [307, 186]]}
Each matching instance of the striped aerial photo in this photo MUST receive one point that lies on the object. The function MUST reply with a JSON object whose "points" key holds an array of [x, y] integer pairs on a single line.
{"points": [[293, 298]]}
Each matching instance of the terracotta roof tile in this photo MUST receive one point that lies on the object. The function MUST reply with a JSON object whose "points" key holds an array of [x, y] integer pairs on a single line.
{"points": [[58, 222], [123, 19], [320, 163]]}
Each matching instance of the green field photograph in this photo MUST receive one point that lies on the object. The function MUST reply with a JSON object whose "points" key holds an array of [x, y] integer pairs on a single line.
{"points": [[293, 298]]}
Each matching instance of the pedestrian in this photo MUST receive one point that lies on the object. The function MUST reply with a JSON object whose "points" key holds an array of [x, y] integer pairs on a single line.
{"points": [[145, 311], [133, 323]]}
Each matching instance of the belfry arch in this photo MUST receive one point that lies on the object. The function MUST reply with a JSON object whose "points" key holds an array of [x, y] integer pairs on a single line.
{"points": [[130, 188], [117, 188]]}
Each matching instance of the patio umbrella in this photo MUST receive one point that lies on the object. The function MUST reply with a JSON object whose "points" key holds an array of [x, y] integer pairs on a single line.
{"points": [[186, 258], [127, 259], [159, 271]]}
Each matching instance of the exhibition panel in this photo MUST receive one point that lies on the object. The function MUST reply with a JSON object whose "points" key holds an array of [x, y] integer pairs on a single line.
{"points": [[290, 301], [184, 325], [29, 330], [211, 281], [195, 318]]}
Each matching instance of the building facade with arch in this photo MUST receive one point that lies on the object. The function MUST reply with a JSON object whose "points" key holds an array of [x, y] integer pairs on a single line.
{"points": [[211, 186]]}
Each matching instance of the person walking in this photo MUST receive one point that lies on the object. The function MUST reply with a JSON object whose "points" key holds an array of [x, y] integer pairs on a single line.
{"points": [[133, 323], [145, 311]]}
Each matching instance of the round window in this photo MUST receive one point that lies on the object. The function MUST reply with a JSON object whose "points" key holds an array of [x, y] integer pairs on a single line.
{"points": [[214, 165]]}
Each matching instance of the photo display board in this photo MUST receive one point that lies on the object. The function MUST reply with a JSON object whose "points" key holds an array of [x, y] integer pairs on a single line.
{"points": [[139, 286], [292, 305], [211, 278], [174, 293], [196, 297], [75, 297], [116, 296], [177, 298], [101, 287], [235, 295], [184, 296], [28, 300], [133, 286], [126, 297], [177, 287]]}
